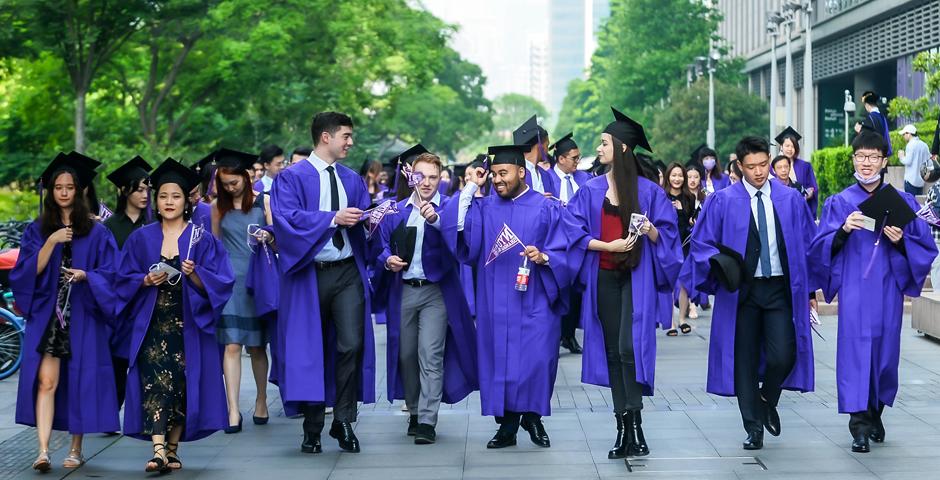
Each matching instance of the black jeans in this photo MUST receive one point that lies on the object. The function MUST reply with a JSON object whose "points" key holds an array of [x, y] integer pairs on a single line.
{"points": [[765, 319], [342, 306], [569, 322], [615, 311]]}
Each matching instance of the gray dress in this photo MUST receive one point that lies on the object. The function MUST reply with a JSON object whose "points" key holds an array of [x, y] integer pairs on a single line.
{"points": [[239, 324]]}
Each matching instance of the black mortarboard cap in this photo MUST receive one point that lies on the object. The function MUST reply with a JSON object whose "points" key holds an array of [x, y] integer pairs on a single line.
{"points": [[205, 165], [85, 160], [694, 164], [507, 154], [171, 171], [529, 133], [135, 169], [888, 204], [696, 154], [68, 163], [628, 131], [728, 267], [564, 145], [787, 132], [409, 154], [225, 157], [479, 161]]}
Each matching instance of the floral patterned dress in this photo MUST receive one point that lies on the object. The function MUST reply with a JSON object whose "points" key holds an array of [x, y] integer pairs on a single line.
{"points": [[55, 340], [162, 361]]}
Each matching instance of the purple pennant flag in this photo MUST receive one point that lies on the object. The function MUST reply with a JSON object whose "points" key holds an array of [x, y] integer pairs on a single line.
{"points": [[104, 212], [414, 178], [376, 214], [195, 235], [928, 214], [504, 241]]}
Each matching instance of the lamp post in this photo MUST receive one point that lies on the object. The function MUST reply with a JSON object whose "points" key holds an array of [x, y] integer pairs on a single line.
{"points": [[809, 132], [788, 68], [713, 57], [773, 29], [848, 108]]}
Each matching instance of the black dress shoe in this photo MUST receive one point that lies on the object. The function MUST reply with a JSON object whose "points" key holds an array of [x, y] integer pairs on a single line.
{"points": [[877, 434], [259, 420], [425, 434], [311, 443], [620, 444], [636, 441], [235, 428], [860, 444], [536, 432], [502, 439], [343, 432], [754, 441], [412, 425], [771, 420], [571, 344]]}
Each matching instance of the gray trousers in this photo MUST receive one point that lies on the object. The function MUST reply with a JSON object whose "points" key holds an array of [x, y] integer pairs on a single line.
{"points": [[421, 350]]}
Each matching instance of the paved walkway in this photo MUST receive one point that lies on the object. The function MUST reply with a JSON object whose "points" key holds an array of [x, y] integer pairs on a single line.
{"points": [[691, 434]]}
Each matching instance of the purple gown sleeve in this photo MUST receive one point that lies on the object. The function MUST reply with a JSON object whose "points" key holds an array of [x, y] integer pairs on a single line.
{"points": [[829, 271], [561, 246], [100, 277], [703, 246], [300, 231], [470, 240], [130, 272], [218, 279], [580, 209], [260, 280], [30, 289], [667, 250]]}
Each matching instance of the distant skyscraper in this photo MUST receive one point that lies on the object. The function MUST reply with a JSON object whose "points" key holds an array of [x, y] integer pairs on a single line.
{"points": [[538, 71], [572, 37]]}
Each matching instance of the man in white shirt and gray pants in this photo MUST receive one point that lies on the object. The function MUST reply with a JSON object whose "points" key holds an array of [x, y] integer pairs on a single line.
{"points": [[914, 157]]}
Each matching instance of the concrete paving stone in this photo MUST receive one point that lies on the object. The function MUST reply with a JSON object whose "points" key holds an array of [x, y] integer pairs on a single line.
{"points": [[531, 471], [406, 473]]}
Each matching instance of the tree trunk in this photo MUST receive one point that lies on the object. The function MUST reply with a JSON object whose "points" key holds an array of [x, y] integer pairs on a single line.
{"points": [[80, 120]]}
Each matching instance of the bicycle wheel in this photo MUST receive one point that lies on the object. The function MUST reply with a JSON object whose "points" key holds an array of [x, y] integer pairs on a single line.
{"points": [[11, 347]]}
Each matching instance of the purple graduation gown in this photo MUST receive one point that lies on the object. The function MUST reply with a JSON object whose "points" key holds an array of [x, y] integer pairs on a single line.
{"points": [[441, 267], [548, 181], [869, 338], [807, 177], [206, 410], [518, 332], [86, 398], [308, 360], [260, 283], [653, 278], [722, 182], [725, 219]]}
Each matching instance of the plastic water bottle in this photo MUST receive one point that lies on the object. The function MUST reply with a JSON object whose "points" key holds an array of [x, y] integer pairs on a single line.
{"points": [[522, 276]]}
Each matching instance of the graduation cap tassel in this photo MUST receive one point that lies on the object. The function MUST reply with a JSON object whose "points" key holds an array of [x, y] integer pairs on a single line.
{"points": [[148, 215]]}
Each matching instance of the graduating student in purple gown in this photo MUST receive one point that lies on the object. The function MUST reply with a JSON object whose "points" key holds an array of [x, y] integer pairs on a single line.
{"points": [[61, 282], [272, 158], [874, 120], [519, 241], [714, 178], [431, 337], [749, 249], [534, 139], [174, 386], [801, 170], [132, 212], [324, 322], [682, 200], [624, 274], [871, 280], [565, 157]]}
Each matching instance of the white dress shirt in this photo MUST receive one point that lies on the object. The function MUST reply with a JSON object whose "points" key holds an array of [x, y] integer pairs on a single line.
{"points": [[563, 187], [329, 253], [415, 270], [267, 182], [776, 268], [533, 171]]}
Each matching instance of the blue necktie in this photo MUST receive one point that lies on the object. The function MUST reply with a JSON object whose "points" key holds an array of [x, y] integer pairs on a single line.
{"points": [[764, 242], [569, 189]]}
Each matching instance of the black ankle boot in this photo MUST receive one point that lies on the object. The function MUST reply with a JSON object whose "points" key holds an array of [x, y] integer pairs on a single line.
{"points": [[633, 424], [620, 445]]}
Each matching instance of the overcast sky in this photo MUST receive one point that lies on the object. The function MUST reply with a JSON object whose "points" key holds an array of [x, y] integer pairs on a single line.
{"points": [[495, 35]]}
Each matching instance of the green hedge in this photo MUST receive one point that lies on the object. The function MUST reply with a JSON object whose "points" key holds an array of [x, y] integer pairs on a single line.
{"points": [[833, 165]]}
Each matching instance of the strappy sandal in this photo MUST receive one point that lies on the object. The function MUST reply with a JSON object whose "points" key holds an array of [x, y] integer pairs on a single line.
{"points": [[74, 459], [157, 464], [685, 328], [672, 332], [43, 463], [172, 458]]}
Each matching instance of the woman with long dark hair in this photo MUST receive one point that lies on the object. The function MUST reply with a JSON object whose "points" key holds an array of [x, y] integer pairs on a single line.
{"points": [[173, 280], [238, 213], [633, 256], [714, 178], [62, 284], [369, 172], [677, 191], [801, 170]]}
